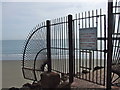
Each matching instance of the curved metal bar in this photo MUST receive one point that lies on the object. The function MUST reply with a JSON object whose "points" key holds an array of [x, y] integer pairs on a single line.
{"points": [[35, 61], [39, 53], [28, 42], [37, 56], [26, 47], [44, 49]]}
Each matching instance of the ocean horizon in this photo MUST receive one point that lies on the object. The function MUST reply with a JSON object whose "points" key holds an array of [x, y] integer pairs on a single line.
{"points": [[13, 50]]}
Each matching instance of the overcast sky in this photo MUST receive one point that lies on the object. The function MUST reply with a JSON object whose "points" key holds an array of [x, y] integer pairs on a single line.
{"points": [[18, 18]]}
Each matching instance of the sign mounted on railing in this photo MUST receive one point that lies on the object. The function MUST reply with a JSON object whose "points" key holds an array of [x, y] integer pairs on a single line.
{"points": [[88, 38]]}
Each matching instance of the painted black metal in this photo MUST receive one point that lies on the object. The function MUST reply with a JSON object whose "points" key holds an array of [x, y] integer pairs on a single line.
{"points": [[70, 36], [63, 31], [48, 45], [87, 17], [36, 59], [103, 38], [116, 45], [24, 53], [110, 47], [28, 42], [105, 50], [90, 59], [58, 27]]}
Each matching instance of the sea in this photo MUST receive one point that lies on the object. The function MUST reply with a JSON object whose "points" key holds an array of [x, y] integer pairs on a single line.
{"points": [[11, 49]]}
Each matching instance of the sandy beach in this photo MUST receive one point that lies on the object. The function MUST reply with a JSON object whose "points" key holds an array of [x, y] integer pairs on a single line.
{"points": [[12, 74]]}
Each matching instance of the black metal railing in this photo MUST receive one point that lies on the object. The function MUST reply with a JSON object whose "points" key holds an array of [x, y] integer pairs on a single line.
{"points": [[61, 39], [116, 45], [59, 44], [90, 64], [35, 42], [63, 47]]}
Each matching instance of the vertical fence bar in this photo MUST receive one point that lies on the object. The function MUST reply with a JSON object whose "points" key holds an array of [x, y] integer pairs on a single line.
{"points": [[48, 46], [54, 45], [93, 50], [73, 45], [66, 35], [101, 44], [79, 46], [104, 48], [86, 50], [109, 54], [70, 48], [64, 44], [89, 50], [82, 59], [57, 45], [76, 52], [97, 51]]}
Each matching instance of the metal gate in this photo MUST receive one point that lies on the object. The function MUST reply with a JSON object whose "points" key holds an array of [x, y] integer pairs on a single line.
{"points": [[116, 45], [90, 49], [68, 58], [72, 46], [63, 51]]}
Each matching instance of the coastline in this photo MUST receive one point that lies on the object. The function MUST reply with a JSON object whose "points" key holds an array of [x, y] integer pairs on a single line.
{"points": [[12, 74], [12, 77]]}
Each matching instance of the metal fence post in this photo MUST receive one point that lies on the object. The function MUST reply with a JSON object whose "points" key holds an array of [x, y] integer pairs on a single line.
{"points": [[70, 36], [109, 54], [48, 45]]}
